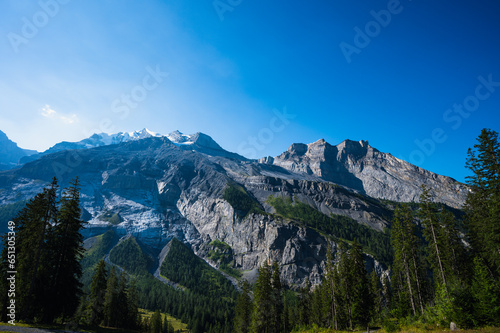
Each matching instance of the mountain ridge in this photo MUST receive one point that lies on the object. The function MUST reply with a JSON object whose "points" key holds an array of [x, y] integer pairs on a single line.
{"points": [[159, 190], [198, 141], [11, 153]]}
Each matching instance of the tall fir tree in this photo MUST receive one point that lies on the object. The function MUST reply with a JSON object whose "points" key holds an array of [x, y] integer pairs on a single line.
{"points": [[277, 299], [34, 225], [360, 294], [244, 309], [408, 281], [65, 245], [111, 305], [376, 297], [133, 316], [263, 301], [433, 233], [95, 306], [305, 304], [483, 201], [156, 324], [331, 281]]}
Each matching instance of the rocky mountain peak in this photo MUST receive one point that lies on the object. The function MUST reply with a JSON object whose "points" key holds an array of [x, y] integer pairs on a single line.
{"points": [[358, 165], [297, 149]]}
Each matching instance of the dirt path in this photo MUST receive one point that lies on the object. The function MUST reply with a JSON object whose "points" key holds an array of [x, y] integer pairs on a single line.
{"points": [[11, 328]]}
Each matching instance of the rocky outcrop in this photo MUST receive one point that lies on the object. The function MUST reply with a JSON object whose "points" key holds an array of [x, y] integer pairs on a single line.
{"points": [[357, 165]]}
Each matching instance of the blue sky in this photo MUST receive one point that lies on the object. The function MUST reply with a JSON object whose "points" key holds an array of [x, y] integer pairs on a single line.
{"points": [[418, 79]]}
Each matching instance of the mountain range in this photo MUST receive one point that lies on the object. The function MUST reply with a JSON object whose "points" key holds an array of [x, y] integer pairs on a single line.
{"points": [[289, 208]]}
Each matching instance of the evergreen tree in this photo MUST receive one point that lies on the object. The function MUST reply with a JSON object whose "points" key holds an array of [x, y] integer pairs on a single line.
{"points": [[318, 305], [486, 294], [133, 316], [277, 299], [459, 261], [34, 223], [263, 298], [111, 300], [483, 201], [305, 304], [66, 252], [244, 309], [360, 295], [155, 325], [332, 285], [407, 266], [376, 297], [346, 296], [95, 307], [122, 309], [433, 233]]}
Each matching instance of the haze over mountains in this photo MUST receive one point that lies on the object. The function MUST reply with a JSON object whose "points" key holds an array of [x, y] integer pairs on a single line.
{"points": [[10, 153], [157, 187]]}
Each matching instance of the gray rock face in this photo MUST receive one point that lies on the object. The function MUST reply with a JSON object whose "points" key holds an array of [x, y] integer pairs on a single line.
{"points": [[361, 167], [156, 190]]}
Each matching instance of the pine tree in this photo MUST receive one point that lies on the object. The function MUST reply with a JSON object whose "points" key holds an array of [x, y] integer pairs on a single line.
{"points": [[66, 252], [331, 282], [277, 298], [407, 267], [122, 310], [344, 291], [133, 316], [433, 231], [376, 297], [360, 295], [34, 224], [305, 304], [244, 309], [486, 294], [483, 201], [263, 307], [111, 300], [95, 307], [156, 323]]}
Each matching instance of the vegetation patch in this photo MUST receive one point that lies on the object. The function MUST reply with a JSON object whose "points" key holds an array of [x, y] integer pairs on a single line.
{"points": [[222, 254], [111, 217], [129, 255], [343, 227], [242, 202]]}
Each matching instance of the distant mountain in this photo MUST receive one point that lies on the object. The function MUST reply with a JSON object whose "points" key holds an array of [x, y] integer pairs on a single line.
{"points": [[10, 153], [199, 142], [357, 165]]}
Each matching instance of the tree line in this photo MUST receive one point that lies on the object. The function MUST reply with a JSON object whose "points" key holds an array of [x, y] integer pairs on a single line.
{"points": [[48, 248]]}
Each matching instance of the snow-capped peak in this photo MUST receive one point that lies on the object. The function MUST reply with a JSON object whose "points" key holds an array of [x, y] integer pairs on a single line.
{"points": [[199, 142], [181, 139]]}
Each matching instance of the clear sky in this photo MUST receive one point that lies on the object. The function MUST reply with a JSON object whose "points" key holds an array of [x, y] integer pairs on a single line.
{"points": [[416, 78]]}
